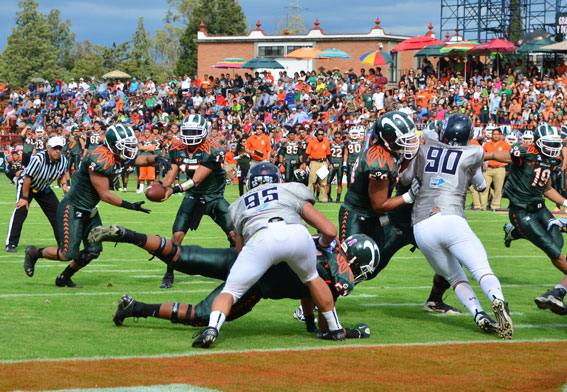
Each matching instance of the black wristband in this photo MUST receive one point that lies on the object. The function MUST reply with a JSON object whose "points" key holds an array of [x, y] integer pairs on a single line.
{"points": [[127, 205], [177, 188], [26, 198]]}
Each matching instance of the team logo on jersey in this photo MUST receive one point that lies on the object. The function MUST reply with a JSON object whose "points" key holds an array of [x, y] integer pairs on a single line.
{"points": [[436, 181]]}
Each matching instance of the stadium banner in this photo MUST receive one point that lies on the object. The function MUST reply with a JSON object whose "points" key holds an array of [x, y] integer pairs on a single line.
{"points": [[560, 26], [2, 162]]}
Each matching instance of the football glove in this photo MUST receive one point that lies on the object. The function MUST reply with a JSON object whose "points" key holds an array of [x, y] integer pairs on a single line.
{"points": [[559, 222]]}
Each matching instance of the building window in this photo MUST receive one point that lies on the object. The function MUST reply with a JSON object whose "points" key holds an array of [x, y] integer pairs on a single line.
{"points": [[292, 48], [271, 51]]}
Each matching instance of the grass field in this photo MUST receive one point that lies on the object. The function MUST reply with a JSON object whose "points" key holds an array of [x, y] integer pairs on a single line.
{"points": [[53, 338]]}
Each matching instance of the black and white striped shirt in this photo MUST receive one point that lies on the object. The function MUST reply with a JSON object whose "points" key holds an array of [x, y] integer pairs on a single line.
{"points": [[43, 172]]}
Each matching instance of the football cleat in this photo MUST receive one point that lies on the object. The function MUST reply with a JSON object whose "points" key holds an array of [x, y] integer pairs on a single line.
{"points": [[205, 338], [337, 335], [553, 300], [32, 254], [62, 282], [486, 323], [505, 327], [11, 248], [125, 309], [105, 233], [508, 234], [298, 314], [440, 307], [167, 281]]}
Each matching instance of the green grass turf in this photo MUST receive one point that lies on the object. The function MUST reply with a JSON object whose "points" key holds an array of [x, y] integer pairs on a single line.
{"points": [[41, 321]]}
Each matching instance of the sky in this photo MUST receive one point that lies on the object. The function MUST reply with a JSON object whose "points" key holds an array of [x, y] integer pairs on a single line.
{"points": [[106, 21]]}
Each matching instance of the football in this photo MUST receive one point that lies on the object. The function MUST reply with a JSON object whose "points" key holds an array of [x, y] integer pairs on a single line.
{"points": [[155, 192]]}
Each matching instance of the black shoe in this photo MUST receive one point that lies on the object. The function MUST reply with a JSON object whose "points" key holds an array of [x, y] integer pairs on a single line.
{"points": [[206, 337], [440, 307], [32, 254], [553, 300], [338, 200], [486, 323], [337, 335], [11, 248], [62, 282], [508, 234], [167, 281], [125, 309], [105, 233]]}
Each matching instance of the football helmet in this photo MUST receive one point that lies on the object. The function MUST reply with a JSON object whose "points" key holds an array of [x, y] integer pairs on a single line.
{"points": [[457, 130], [263, 173], [122, 141], [300, 175], [528, 137], [363, 256], [396, 132], [357, 132], [511, 139], [194, 130], [39, 131], [548, 140], [489, 128]]}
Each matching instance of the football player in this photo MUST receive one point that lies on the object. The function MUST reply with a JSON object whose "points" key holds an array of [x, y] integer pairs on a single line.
{"points": [[528, 137], [337, 164], [201, 161], [77, 213], [528, 184], [95, 136], [354, 146], [268, 229], [289, 155], [445, 165], [341, 267]]}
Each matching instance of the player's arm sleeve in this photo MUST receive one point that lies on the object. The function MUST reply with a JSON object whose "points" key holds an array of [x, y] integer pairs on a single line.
{"points": [[233, 217], [302, 193], [517, 153], [409, 173], [478, 181]]}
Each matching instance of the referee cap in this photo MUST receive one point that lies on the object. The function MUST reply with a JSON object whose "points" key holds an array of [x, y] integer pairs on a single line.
{"points": [[56, 141]]}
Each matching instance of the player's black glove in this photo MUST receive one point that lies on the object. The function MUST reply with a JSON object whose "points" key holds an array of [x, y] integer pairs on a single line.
{"points": [[163, 163], [137, 206], [320, 247]]}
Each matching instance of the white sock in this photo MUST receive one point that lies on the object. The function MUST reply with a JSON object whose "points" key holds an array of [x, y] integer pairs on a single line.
{"points": [[559, 286], [332, 319], [141, 187], [490, 285], [216, 319], [467, 296]]}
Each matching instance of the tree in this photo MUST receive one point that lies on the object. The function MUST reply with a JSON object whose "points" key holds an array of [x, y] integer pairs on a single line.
{"points": [[294, 24], [165, 50], [62, 38], [30, 51], [88, 62], [221, 17], [140, 61], [179, 11], [516, 28]]}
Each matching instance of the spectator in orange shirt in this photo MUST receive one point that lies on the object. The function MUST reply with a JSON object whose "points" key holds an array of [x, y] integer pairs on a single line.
{"points": [[258, 146], [317, 152], [495, 172], [230, 164], [422, 98]]}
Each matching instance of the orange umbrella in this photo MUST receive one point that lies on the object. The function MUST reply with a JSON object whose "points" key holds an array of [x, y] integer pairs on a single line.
{"points": [[304, 53]]}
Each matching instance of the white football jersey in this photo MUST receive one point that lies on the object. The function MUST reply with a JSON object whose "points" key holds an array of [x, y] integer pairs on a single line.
{"points": [[253, 210], [446, 173]]}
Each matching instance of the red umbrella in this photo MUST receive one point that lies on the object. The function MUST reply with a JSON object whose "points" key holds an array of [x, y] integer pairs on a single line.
{"points": [[416, 43], [496, 45]]}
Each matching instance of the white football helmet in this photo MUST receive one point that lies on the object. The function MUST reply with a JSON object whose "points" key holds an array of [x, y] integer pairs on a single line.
{"points": [[39, 131], [194, 130], [528, 137], [511, 139], [357, 132], [489, 128]]}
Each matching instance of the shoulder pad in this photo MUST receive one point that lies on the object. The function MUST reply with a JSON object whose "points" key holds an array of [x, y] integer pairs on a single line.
{"points": [[101, 159], [380, 157], [176, 144]]}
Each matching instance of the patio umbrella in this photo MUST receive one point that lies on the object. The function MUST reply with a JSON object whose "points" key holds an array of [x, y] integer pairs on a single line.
{"points": [[37, 80], [536, 45], [496, 45], [376, 57], [460, 47], [533, 36], [229, 62], [431, 51], [558, 47], [334, 54], [304, 53], [416, 43], [116, 75], [262, 62]]}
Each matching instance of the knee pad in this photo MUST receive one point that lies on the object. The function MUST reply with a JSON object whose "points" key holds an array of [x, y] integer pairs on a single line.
{"points": [[85, 258], [168, 258], [174, 315]]}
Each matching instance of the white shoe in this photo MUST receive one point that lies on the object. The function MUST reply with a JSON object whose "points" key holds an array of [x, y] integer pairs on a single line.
{"points": [[139, 191], [124, 189]]}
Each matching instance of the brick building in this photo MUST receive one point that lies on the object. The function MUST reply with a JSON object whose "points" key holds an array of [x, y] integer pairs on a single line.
{"points": [[257, 43]]}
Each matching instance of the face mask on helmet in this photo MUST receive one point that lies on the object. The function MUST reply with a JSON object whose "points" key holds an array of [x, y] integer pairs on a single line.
{"points": [[356, 133], [397, 132], [127, 148], [511, 139], [363, 256], [550, 144], [39, 131], [193, 130], [121, 141], [263, 173], [528, 137]]}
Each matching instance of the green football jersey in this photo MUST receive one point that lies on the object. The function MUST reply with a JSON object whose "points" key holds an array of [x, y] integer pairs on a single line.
{"points": [[94, 139], [290, 150], [208, 153], [337, 152], [374, 163], [529, 174], [77, 149], [41, 143], [29, 143], [99, 160], [354, 148]]}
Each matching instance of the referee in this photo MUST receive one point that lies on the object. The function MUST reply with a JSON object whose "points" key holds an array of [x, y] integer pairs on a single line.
{"points": [[33, 183]]}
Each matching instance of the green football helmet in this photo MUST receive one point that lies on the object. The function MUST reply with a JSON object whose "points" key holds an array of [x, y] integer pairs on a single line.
{"points": [[397, 133], [363, 255], [194, 130], [548, 140], [120, 139]]}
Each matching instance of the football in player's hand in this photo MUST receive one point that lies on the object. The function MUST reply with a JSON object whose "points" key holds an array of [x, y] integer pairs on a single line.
{"points": [[155, 192]]}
